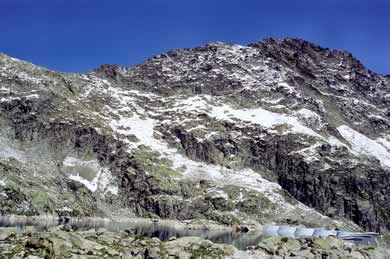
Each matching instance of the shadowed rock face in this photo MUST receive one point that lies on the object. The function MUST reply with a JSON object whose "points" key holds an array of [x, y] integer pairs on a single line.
{"points": [[354, 191], [222, 132]]}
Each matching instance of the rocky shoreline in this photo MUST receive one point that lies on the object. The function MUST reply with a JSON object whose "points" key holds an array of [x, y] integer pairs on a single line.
{"points": [[48, 236], [57, 243]]}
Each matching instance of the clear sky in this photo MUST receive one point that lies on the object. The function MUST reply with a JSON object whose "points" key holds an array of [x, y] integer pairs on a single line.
{"points": [[78, 35]]}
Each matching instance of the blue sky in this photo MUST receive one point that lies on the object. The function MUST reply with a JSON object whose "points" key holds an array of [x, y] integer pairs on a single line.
{"points": [[78, 35]]}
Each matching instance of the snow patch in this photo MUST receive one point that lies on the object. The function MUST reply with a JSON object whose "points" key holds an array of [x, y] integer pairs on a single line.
{"points": [[261, 117], [384, 142], [246, 178], [95, 84], [9, 99], [332, 140], [220, 194], [91, 174], [198, 127], [31, 96], [274, 101], [65, 208], [347, 77], [4, 89], [307, 114], [212, 107], [141, 128], [8, 150], [364, 145]]}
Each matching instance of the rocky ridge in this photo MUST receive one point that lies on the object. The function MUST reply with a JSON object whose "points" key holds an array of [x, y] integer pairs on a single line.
{"points": [[279, 131]]}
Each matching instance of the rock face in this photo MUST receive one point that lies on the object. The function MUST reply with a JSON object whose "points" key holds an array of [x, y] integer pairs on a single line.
{"points": [[278, 131]]}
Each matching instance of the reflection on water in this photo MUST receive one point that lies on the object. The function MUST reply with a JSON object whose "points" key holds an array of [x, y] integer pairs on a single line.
{"points": [[161, 230], [165, 232]]}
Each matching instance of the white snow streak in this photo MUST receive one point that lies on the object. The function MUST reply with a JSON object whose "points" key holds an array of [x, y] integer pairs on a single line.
{"points": [[143, 130], [384, 142], [101, 181], [261, 117], [364, 145]]}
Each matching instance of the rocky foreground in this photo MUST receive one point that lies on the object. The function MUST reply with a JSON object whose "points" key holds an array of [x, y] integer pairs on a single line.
{"points": [[57, 243]]}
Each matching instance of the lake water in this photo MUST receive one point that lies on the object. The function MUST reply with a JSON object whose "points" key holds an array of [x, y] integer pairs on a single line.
{"points": [[161, 230], [164, 232]]}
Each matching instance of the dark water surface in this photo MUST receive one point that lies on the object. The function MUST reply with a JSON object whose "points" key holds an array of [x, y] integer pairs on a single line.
{"points": [[163, 231]]}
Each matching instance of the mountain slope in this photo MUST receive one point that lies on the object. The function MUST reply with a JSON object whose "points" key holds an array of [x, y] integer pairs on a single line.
{"points": [[224, 132]]}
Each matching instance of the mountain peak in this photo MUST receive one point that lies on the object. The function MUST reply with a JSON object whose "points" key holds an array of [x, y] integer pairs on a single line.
{"points": [[298, 50]]}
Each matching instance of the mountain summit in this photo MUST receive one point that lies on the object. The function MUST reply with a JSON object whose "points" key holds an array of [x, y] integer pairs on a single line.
{"points": [[279, 131]]}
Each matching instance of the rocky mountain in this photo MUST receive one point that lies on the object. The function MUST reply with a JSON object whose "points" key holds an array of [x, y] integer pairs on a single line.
{"points": [[279, 131]]}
